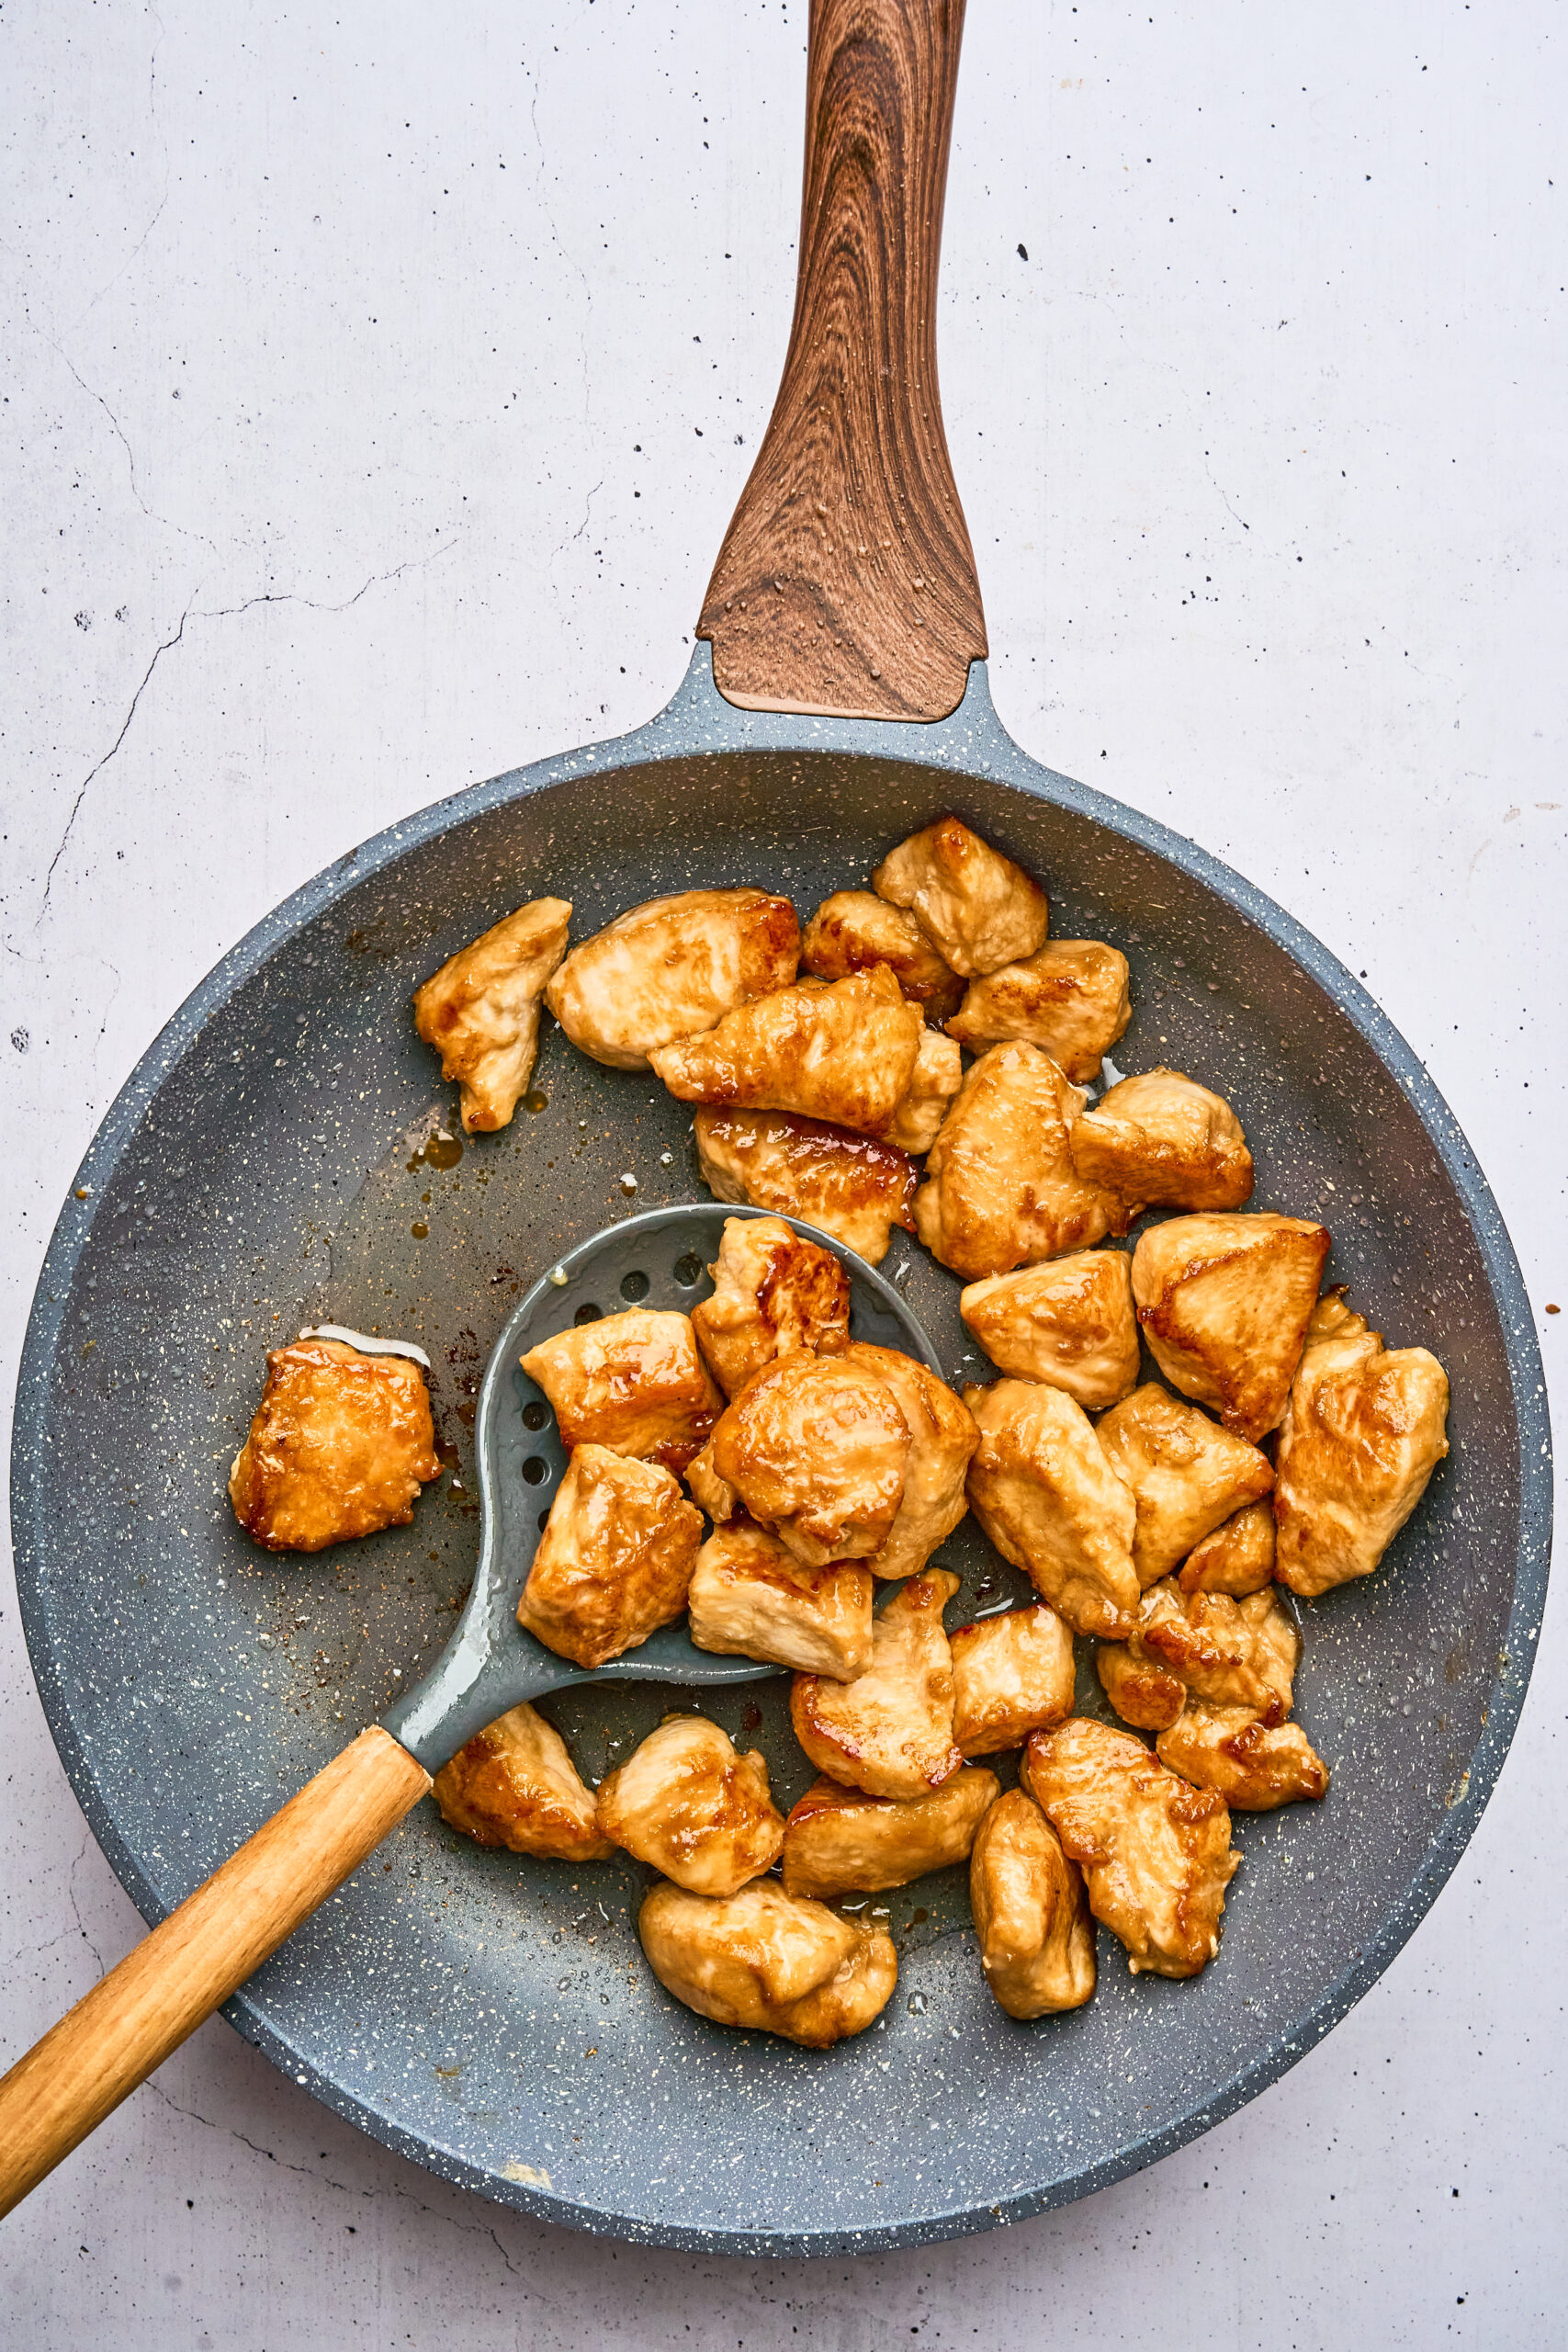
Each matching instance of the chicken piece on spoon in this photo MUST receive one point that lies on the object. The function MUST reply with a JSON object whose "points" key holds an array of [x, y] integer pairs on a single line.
{"points": [[673, 967], [977, 909], [943, 1437], [751, 1597], [844, 1052], [774, 1292], [1071, 1000], [633, 1382], [816, 1448], [855, 929], [854, 1189], [615, 1560], [480, 1011]]}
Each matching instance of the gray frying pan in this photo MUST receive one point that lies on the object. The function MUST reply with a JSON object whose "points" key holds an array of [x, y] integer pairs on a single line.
{"points": [[280, 1158]]}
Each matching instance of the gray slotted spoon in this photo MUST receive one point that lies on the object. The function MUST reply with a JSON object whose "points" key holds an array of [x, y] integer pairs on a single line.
{"points": [[204, 1950]]}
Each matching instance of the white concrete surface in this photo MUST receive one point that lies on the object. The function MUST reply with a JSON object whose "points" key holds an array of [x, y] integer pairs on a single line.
{"points": [[378, 380]]}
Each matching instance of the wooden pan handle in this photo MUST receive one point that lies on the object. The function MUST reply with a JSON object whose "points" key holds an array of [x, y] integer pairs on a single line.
{"points": [[141, 2011], [846, 582]]}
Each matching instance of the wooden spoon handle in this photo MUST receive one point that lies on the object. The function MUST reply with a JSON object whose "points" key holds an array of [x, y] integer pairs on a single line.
{"points": [[846, 582], [130, 2022]]}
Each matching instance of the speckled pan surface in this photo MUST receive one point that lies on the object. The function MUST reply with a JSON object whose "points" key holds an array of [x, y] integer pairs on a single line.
{"points": [[273, 1161]]}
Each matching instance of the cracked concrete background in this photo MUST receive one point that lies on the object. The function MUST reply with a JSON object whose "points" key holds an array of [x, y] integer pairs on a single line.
{"points": [[378, 382]]}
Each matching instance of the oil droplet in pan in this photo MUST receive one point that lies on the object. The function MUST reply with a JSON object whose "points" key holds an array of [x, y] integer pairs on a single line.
{"points": [[535, 1101]]}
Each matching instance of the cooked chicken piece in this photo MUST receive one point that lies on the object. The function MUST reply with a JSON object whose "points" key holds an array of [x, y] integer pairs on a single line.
{"points": [[615, 1560], [750, 1597], [852, 1188], [1237, 1558], [1011, 1675], [839, 1841], [685, 1802], [1071, 1000], [1068, 1323], [480, 1011], [844, 1052], [1165, 1142], [942, 1439], [633, 1382], [1000, 1188], [767, 1960], [1224, 1303], [817, 1449], [1032, 1913], [890, 1731], [515, 1785], [1141, 1691], [1364, 1430], [774, 1292], [1232, 1653], [978, 909], [854, 929], [938, 1075], [338, 1448], [1155, 1853], [1186, 1475], [1255, 1766], [672, 968], [715, 1495], [1045, 1493]]}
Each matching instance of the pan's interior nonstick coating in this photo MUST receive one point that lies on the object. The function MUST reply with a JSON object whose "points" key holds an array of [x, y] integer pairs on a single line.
{"points": [[494, 2016]]}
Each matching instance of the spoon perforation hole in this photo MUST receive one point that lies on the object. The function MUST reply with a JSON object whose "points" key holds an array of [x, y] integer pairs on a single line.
{"points": [[688, 1269], [535, 1470], [635, 1286], [588, 1313], [534, 1415]]}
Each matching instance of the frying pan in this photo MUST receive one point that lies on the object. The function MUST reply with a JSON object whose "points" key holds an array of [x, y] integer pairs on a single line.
{"points": [[280, 1158]]}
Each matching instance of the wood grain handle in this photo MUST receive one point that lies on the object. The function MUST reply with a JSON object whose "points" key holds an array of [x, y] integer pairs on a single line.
{"points": [[846, 582], [141, 2011]]}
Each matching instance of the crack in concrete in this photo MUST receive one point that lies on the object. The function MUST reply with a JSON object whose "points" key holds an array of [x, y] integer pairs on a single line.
{"points": [[219, 613]]}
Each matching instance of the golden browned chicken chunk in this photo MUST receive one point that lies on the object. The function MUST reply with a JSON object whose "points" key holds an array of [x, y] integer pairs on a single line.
{"points": [[633, 1382], [844, 1052], [1254, 1765], [1071, 1000], [751, 1597], [1141, 1691], [1031, 1912], [338, 1448], [841, 1841], [942, 1436], [1011, 1675], [615, 1560], [1000, 1188], [770, 1961], [854, 929], [1186, 1473], [688, 1803], [938, 1075], [515, 1785], [774, 1292], [978, 909], [480, 1011], [715, 1495], [1155, 1853], [1364, 1430], [1232, 1653], [889, 1732], [1237, 1558], [1165, 1142], [854, 1189], [816, 1448], [1045, 1493], [1068, 1323], [1224, 1303], [672, 968]]}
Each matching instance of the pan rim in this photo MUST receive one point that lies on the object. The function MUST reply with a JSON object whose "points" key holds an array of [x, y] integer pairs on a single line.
{"points": [[971, 742]]}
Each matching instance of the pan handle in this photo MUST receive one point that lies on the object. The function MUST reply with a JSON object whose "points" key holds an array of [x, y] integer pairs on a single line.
{"points": [[846, 582], [131, 2021]]}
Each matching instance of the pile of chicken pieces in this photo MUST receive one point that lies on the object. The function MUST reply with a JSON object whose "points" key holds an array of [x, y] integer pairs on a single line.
{"points": [[753, 1466], [824, 1466]]}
